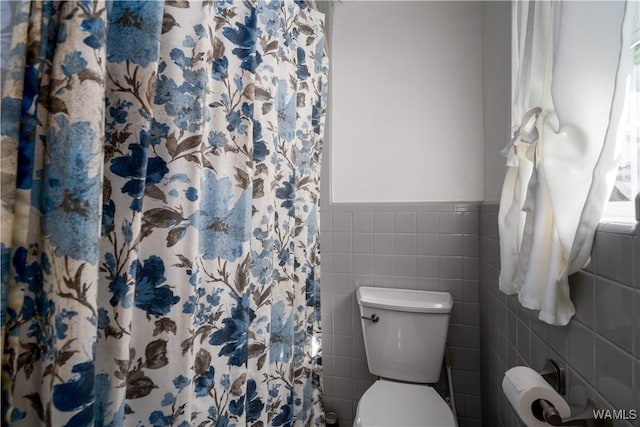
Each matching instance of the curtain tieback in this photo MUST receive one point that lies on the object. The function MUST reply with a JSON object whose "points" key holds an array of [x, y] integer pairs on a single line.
{"points": [[527, 132]]}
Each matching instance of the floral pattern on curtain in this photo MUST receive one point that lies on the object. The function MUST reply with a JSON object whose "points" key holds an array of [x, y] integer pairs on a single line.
{"points": [[160, 197]]}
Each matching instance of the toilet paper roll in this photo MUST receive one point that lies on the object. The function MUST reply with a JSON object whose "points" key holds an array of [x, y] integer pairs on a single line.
{"points": [[523, 386]]}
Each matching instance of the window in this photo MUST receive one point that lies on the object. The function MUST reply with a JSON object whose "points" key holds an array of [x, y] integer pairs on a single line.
{"points": [[621, 206]]}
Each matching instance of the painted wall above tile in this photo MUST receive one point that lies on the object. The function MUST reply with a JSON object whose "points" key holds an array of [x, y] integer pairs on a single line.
{"points": [[407, 121]]}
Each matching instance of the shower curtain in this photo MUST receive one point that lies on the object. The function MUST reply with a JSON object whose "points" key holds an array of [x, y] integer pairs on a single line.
{"points": [[160, 196]]}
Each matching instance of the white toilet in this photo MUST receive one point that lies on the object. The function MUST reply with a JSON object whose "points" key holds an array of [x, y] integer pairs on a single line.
{"points": [[405, 332]]}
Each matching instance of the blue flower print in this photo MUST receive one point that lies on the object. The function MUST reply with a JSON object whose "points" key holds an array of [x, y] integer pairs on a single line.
{"points": [[110, 261], [317, 61], [165, 88], [28, 122], [204, 382], [200, 31], [61, 326], [225, 381], [103, 387], [133, 31], [254, 403], [262, 266], [17, 415], [103, 318], [151, 295], [49, 28], [285, 417], [236, 407], [61, 37], [10, 116], [189, 306], [217, 139], [223, 225], [108, 217], [312, 223], [180, 382], [157, 132], [304, 161], [235, 122], [191, 194], [119, 292], [269, 14], [119, 112], [183, 102], [245, 38], [281, 342], [312, 293], [274, 390], [95, 27], [127, 232], [73, 63], [286, 112], [285, 254], [133, 166], [316, 115], [71, 194], [180, 177], [260, 150], [219, 68], [158, 419], [168, 399], [27, 272], [287, 194], [78, 392], [156, 170], [289, 36], [180, 59], [233, 336], [303, 71], [162, 66], [185, 110], [189, 41], [213, 300], [237, 80]]}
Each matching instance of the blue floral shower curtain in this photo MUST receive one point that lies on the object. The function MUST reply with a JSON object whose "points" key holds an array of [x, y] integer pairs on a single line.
{"points": [[160, 194]]}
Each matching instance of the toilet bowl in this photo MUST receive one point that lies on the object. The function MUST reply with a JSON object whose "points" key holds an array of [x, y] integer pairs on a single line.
{"points": [[404, 335], [393, 404]]}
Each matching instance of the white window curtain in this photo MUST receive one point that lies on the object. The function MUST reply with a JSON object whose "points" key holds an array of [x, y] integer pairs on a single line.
{"points": [[571, 63]]}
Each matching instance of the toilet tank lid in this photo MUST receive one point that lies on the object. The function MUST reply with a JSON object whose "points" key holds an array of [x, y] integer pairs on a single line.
{"points": [[405, 300]]}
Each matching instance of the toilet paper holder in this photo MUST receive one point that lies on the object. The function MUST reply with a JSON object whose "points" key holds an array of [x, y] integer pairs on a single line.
{"points": [[555, 375], [543, 410]]}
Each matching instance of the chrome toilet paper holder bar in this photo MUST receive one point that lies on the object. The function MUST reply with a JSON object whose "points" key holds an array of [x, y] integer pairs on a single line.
{"points": [[544, 410]]}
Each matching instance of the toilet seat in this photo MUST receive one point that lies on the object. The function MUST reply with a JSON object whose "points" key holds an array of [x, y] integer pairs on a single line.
{"points": [[392, 404]]}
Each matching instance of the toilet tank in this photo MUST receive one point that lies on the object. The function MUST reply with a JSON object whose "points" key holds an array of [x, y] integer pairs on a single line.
{"points": [[407, 341]]}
